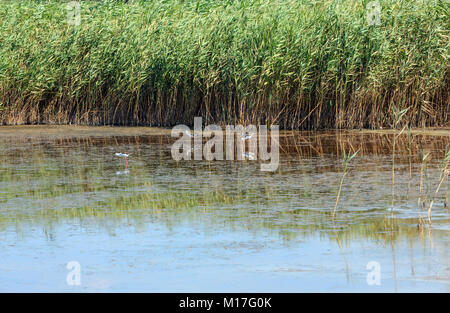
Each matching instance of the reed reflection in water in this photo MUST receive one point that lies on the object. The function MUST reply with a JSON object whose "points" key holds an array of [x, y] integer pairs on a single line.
{"points": [[62, 182]]}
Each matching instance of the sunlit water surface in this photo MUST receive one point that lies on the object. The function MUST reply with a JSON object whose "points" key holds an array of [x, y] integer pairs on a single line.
{"points": [[219, 226]]}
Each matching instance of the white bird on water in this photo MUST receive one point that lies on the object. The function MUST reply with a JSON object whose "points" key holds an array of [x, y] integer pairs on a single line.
{"points": [[246, 137], [123, 155], [249, 155], [190, 135]]}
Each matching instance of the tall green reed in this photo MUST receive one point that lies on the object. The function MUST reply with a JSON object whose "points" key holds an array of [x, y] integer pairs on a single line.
{"points": [[299, 64]]}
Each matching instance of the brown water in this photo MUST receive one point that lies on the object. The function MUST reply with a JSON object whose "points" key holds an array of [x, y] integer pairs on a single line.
{"points": [[207, 226]]}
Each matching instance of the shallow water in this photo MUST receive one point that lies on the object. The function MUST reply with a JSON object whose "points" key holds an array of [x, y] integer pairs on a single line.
{"points": [[218, 226]]}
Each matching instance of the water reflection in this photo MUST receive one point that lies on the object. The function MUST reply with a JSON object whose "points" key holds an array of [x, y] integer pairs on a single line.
{"points": [[54, 179]]}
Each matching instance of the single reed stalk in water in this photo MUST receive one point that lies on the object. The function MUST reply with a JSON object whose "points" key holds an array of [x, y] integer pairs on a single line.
{"points": [[345, 161], [420, 224], [398, 114], [423, 157], [446, 195], [444, 173], [410, 163]]}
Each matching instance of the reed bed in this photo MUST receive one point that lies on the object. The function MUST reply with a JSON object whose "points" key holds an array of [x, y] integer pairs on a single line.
{"points": [[299, 64]]}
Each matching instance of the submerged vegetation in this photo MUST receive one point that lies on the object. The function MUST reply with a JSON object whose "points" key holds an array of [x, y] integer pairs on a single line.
{"points": [[300, 64]]}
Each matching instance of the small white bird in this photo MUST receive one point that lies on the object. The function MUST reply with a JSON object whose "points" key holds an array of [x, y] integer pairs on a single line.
{"points": [[190, 135], [246, 137], [123, 155], [249, 155]]}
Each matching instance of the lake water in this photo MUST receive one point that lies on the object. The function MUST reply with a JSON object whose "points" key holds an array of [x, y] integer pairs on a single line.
{"points": [[219, 226]]}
